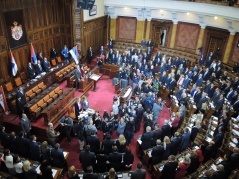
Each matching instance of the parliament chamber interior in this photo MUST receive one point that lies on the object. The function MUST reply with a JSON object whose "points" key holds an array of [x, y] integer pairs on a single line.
{"points": [[114, 89]]}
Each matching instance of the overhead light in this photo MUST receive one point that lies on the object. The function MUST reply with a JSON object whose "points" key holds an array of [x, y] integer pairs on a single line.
{"points": [[215, 17], [187, 13], [125, 8], [161, 11]]}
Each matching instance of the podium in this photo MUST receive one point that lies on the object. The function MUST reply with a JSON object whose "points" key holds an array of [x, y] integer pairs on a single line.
{"points": [[95, 78]]}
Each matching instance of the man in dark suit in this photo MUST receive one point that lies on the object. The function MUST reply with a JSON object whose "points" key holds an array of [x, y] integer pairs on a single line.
{"points": [[209, 60], [89, 55], [19, 106], [235, 83], [31, 70], [22, 95], [139, 173], [175, 143], [66, 124], [230, 94], [115, 159], [202, 60], [57, 155], [40, 58], [218, 138], [207, 86], [199, 80], [186, 82], [216, 95], [46, 65], [149, 43], [139, 115], [4, 138], [102, 50], [206, 75], [169, 169], [78, 108], [39, 67], [234, 158], [172, 84], [194, 77], [202, 100], [35, 151], [211, 91], [78, 75], [185, 140], [218, 104], [166, 130], [209, 152], [53, 53], [218, 72], [22, 145], [146, 139], [157, 152], [94, 142], [156, 133], [197, 95], [220, 173], [87, 158], [89, 174], [25, 125]]}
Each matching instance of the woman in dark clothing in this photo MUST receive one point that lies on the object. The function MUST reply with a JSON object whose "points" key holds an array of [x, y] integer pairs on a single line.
{"points": [[28, 171], [194, 163], [112, 174], [128, 159], [121, 144], [166, 145], [45, 152], [46, 170]]}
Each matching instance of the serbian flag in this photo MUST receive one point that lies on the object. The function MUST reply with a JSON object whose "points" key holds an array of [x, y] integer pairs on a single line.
{"points": [[74, 54], [3, 101], [14, 65], [33, 55]]}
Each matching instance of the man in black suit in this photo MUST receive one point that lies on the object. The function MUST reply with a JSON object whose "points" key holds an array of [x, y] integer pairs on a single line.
{"points": [[218, 104], [78, 75], [218, 138], [169, 169], [115, 159], [22, 95], [19, 106], [139, 173], [157, 152], [78, 108], [89, 174], [166, 130], [234, 158], [156, 133], [206, 75], [216, 95], [31, 70], [146, 139], [25, 125], [22, 145], [39, 67], [139, 115], [87, 158], [220, 173], [209, 152], [35, 151], [53, 53], [89, 55], [58, 159], [175, 143], [94, 142], [4, 138], [211, 91], [197, 95], [46, 65], [40, 58], [149, 43], [194, 77], [235, 83], [202, 100], [66, 123]]}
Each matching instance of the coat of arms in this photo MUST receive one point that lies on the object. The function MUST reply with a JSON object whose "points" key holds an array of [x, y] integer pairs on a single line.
{"points": [[17, 31]]}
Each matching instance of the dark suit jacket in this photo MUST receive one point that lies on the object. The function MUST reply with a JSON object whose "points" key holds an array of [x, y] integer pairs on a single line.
{"points": [[199, 82], [46, 66], [218, 104], [197, 97], [218, 139], [107, 146], [156, 135], [90, 176], [23, 97], [194, 78], [58, 159], [211, 92], [23, 148], [31, 72], [87, 159], [200, 102], [175, 144], [146, 140], [169, 170], [39, 71], [166, 131], [115, 159], [77, 109], [218, 175], [138, 174], [35, 151], [157, 154], [209, 152], [185, 141], [94, 143], [25, 125], [4, 140]]}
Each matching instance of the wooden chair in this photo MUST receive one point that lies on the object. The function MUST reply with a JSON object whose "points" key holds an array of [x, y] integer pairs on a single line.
{"points": [[35, 111], [23, 76], [30, 94], [59, 60], [47, 99], [53, 62], [9, 87], [36, 90], [52, 95], [41, 104], [58, 91], [18, 81], [42, 86]]}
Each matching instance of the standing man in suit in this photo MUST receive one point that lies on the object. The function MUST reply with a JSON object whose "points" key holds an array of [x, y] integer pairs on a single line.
{"points": [[39, 67], [202, 100], [218, 104], [89, 174], [78, 75], [220, 173], [115, 159], [169, 169], [218, 138], [143, 43], [46, 65], [202, 60], [40, 57], [166, 129], [31, 71], [149, 43], [35, 151], [157, 107], [25, 125], [175, 143], [89, 55], [53, 53], [66, 123], [22, 95], [186, 82], [157, 152], [19, 106], [102, 50], [4, 138], [199, 80], [185, 140], [139, 173], [87, 158], [209, 60], [22, 145], [58, 159], [78, 108], [146, 139], [93, 141]]}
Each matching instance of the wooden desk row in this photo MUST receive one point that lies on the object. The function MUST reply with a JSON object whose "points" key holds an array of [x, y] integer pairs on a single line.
{"points": [[109, 70], [59, 107], [62, 74]]}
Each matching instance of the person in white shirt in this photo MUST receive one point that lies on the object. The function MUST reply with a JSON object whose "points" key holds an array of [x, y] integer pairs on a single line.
{"points": [[18, 165], [8, 159]]}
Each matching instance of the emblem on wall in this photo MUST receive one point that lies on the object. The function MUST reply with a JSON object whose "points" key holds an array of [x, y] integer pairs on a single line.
{"points": [[16, 31]]}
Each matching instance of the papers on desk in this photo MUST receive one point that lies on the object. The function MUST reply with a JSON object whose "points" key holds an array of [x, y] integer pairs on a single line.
{"points": [[95, 77], [127, 93], [218, 160], [235, 132], [211, 133], [234, 140], [38, 76], [150, 152], [208, 139], [234, 119], [232, 144], [214, 167], [43, 73], [39, 171], [85, 113]]}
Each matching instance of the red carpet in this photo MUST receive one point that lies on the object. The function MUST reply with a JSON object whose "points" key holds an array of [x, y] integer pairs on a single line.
{"points": [[102, 100]]}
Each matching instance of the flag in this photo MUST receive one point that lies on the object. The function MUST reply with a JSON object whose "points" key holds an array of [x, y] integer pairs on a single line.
{"points": [[3, 101], [74, 54], [33, 55], [14, 65]]}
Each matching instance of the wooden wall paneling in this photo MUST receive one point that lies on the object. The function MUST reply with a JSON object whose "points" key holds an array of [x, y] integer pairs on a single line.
{"points": [[127, 27], [234, 56], [1, 26]]}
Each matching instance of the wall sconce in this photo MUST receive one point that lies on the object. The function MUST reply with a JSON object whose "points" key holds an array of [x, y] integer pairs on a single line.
{"points": [[161, 12], [215, 17], [187, 13]]}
